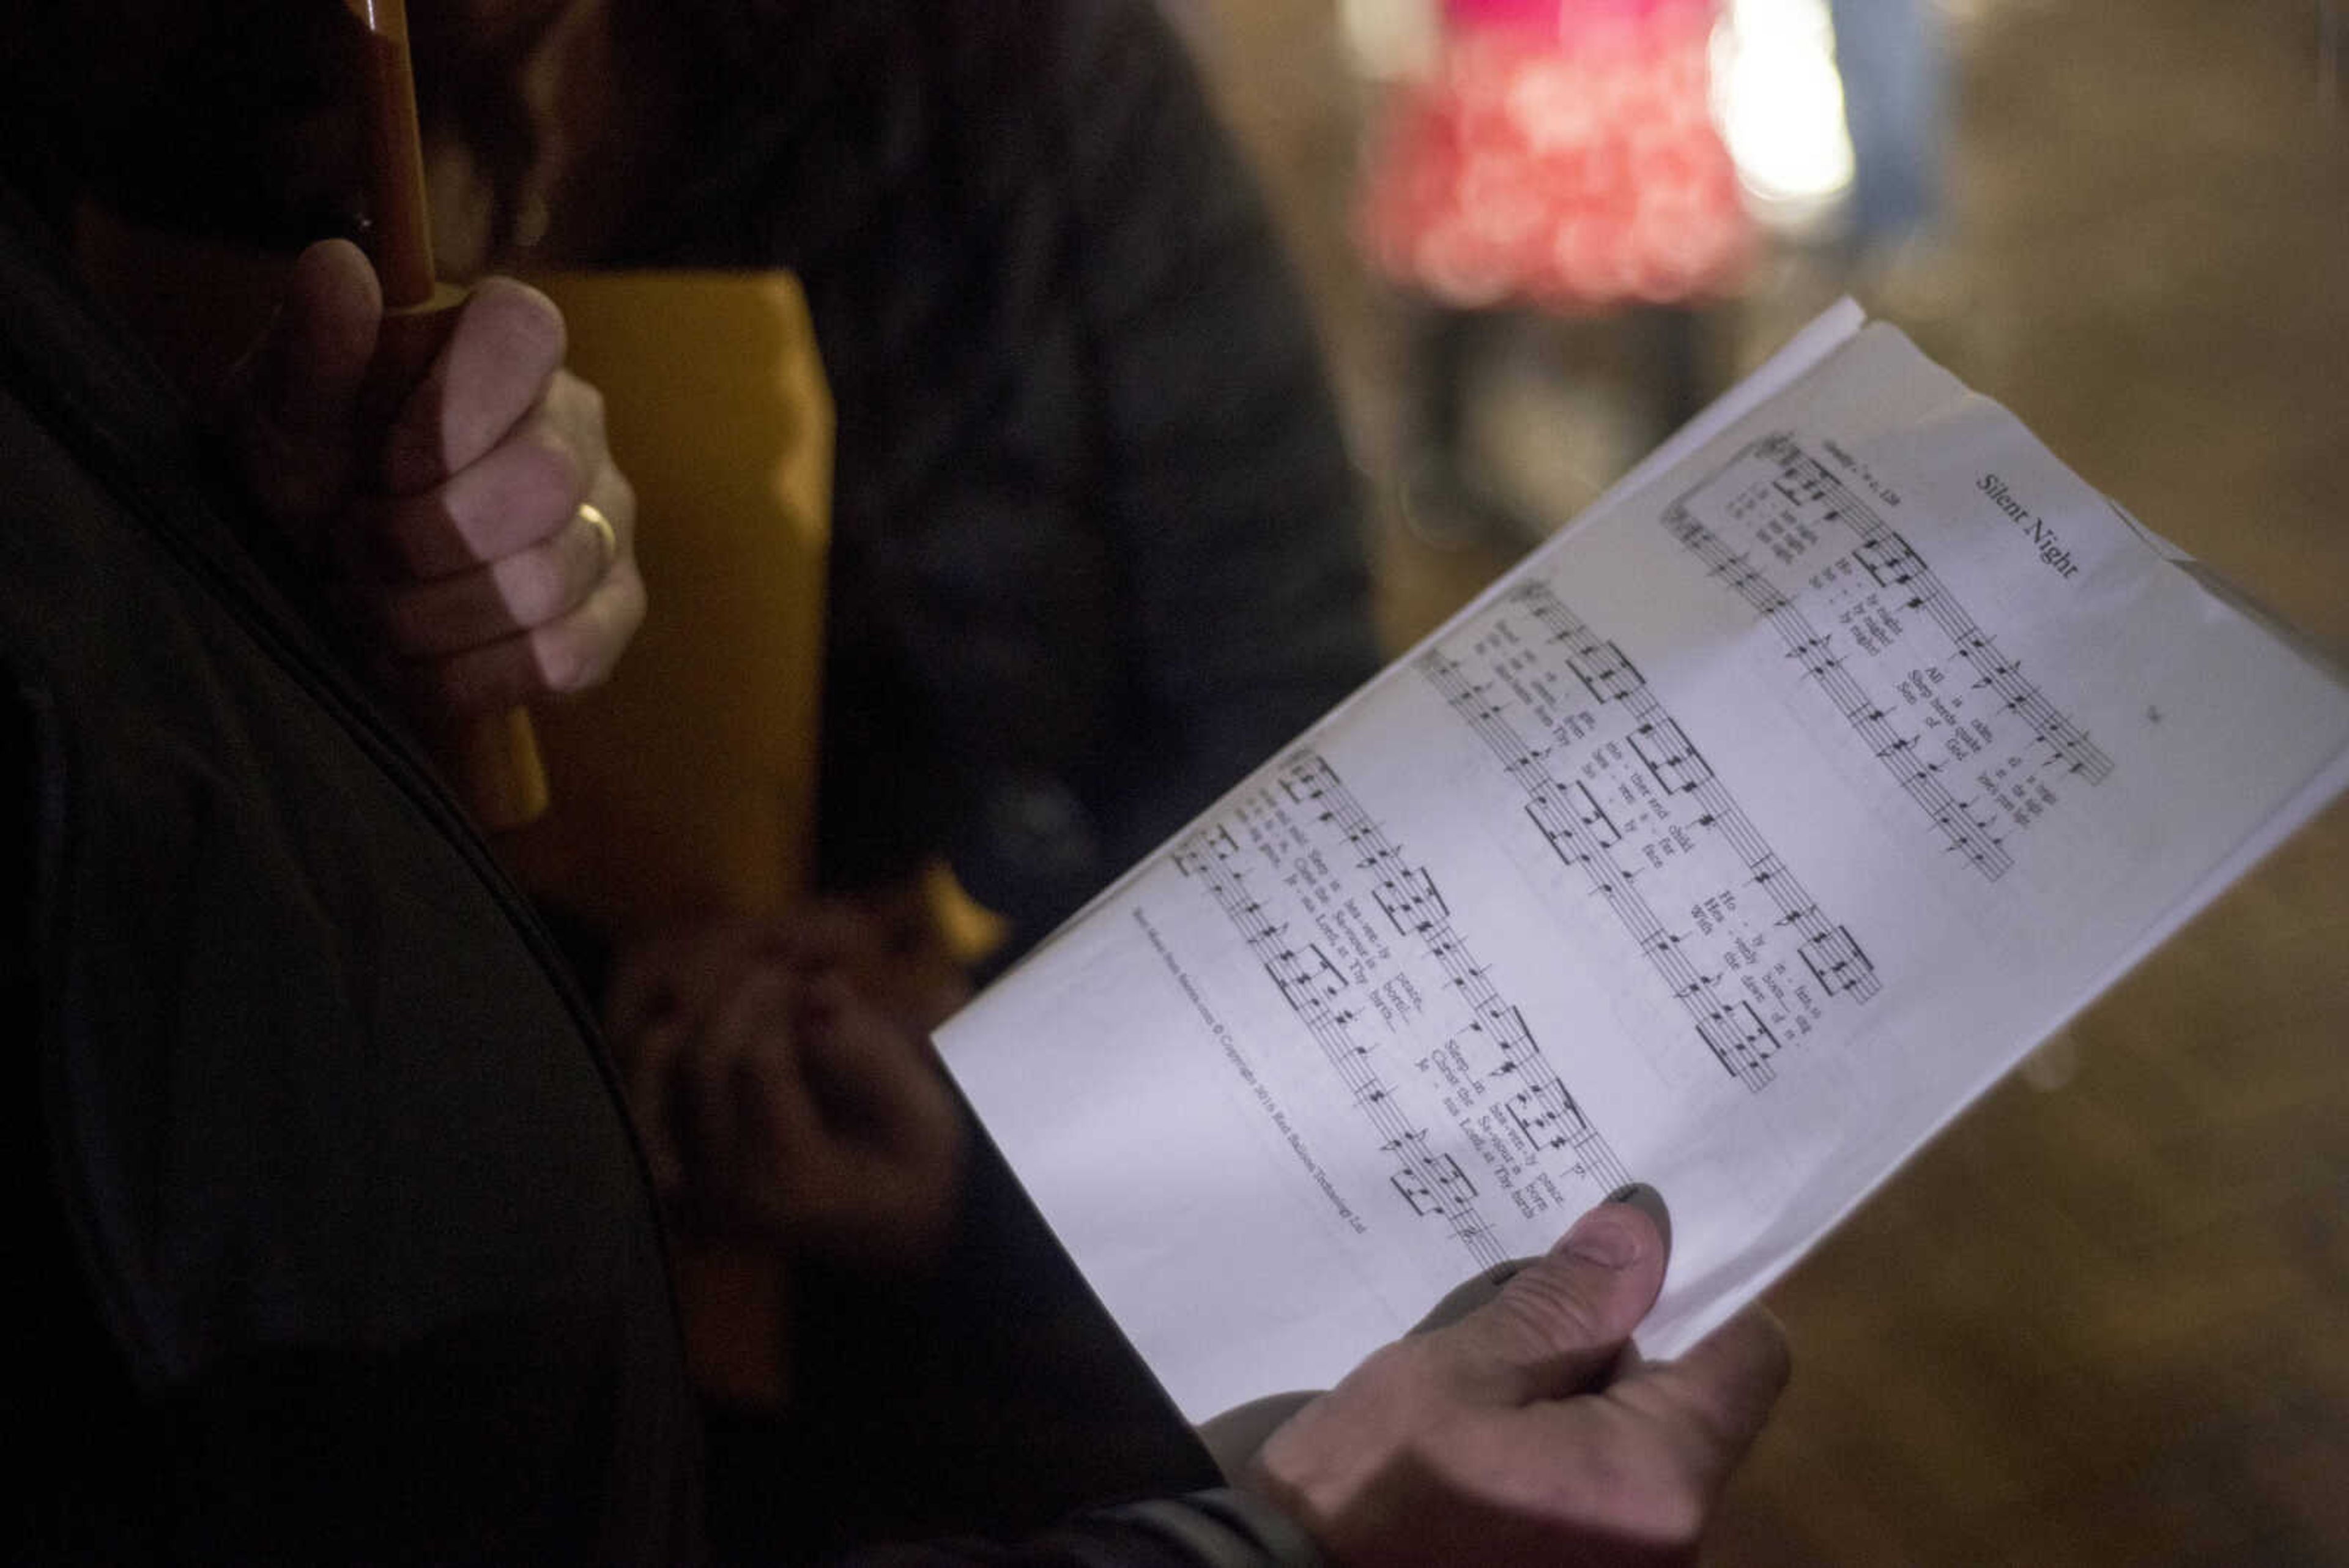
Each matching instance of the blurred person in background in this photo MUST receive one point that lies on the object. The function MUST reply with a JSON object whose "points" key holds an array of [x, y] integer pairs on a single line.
{"points": [[1097, 547], [1558, 161], [1893, 61]]}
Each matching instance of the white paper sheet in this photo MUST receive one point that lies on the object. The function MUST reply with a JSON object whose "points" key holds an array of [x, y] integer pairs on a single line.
{"points": [[1734, 842]]}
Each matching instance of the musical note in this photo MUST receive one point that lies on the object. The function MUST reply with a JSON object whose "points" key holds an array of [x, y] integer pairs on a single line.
{"points": [[1835, 959], [1590, 838], [1433, 1181], [1809, 497]]}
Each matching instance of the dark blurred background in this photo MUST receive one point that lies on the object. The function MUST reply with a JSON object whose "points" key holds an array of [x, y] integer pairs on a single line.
{"points": [[2106, 1318]]}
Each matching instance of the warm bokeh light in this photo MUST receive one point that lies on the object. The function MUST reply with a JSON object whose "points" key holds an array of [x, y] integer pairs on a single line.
{"points": [[1388, 39], [1779, 101]]}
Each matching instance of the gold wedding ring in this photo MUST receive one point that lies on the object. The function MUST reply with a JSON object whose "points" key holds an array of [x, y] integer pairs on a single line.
{"points": [[593, 515]]}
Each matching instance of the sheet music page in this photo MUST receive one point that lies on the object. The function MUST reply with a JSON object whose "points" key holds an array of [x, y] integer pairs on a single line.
{"points": [[1733, 843]]}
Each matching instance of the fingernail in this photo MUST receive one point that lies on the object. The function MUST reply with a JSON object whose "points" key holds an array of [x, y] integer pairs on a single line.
{"points": [[1602, 1238], [1648, 1202]]}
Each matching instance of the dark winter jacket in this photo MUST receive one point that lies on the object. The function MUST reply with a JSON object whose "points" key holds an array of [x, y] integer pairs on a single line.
{"points": [[1097, 547]]}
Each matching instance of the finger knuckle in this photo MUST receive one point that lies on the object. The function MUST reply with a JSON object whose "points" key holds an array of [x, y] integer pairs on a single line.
{"points": [[1637, 1489], [535, 587], [620, 506], [567, 661], [1551, 1307], [1665, 1504], [628, 602], [526, 495], [552, 475], [527, 323], [587, 399]]}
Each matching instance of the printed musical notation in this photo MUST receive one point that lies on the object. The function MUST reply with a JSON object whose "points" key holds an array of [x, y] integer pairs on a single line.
{"points": [[1615, 821], [1362, 946], [1966, 735], [1623, 796]]}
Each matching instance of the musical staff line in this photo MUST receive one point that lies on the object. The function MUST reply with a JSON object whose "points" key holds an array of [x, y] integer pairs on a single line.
{"points": [[1921, 780], [1893, 565], [1540, 1103], [1431, 1182], [1579, 832]]}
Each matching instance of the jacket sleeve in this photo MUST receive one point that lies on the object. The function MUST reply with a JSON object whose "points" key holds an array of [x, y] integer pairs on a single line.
{"points": [[1236, 510], [1220, 1528]]}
